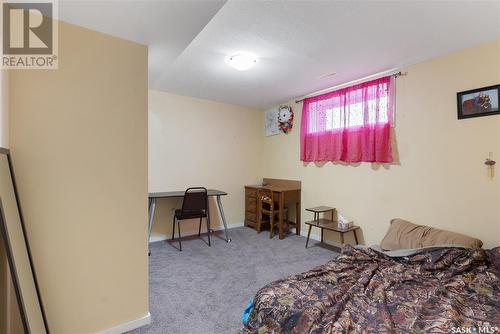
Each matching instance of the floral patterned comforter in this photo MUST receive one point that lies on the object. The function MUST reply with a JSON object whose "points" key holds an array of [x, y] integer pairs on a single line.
{"points": [[363, 291]]}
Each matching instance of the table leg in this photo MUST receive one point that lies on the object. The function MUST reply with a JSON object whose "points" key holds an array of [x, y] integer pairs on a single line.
{"points": [[341, 238], [308, 235], [152, 209], [355, 236], [221, 210], [280, 215], [322, 235]]}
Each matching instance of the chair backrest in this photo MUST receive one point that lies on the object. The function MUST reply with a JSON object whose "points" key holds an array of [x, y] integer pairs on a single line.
{"points": [[265, 196], [195, 199]]}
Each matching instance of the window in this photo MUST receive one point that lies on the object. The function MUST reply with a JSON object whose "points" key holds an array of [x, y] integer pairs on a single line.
{"points": [[351, 124]]}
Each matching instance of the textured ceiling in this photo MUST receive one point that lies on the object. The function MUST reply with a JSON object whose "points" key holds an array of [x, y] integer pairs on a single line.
{"points": [[297, 42]]}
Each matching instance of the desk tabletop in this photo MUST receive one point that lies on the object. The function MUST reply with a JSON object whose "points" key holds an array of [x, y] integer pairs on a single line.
{"points": [[274, 187], [180, 193]]}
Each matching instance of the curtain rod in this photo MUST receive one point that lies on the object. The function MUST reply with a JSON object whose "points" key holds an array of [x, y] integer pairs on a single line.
{"points": [[395, 73]]}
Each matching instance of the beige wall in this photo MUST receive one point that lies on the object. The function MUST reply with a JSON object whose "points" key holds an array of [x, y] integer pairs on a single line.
{"points": [[4, 101], [78, 137], [195, 142], [441, 179]]}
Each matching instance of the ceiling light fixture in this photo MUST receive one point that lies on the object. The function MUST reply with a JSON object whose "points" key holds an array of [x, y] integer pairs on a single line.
{"points": [[241, 61]]}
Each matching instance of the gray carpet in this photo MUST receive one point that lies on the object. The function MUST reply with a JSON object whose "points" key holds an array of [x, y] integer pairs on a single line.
{"points": [[203, 290]]}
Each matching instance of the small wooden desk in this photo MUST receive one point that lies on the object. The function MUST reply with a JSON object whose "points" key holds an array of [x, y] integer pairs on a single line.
{"points": [[287, 190], [176, 194]]}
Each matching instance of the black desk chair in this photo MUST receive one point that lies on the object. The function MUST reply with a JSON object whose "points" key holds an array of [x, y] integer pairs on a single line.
{"points": [[194, 205]]}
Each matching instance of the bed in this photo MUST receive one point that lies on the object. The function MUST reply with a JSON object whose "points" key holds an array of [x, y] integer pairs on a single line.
{"points": [[428, 289]]}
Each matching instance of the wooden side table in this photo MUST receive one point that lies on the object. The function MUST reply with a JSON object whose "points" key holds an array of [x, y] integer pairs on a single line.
{"points": [[327, 224]]}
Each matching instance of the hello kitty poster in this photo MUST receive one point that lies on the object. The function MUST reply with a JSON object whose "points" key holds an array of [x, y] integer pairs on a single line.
{"points": [[279, 120]]}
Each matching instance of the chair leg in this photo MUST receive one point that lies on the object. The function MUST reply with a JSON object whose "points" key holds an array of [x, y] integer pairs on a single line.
{"points": [[208, 230], [179, 230], [199, 228], [271, 225], [287, 222], [173, 229], [259, 222]]}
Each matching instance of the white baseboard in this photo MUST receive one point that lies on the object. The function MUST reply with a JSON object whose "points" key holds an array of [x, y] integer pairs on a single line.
{"points": [[157, 237], [230, 226], [128, 326], [161, 237]]}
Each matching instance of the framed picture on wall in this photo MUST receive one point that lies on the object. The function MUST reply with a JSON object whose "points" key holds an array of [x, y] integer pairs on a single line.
{"points": [[478, 102]]}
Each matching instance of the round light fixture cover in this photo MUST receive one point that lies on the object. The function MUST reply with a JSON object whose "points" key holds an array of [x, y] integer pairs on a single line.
{"points": [[241, 61]]}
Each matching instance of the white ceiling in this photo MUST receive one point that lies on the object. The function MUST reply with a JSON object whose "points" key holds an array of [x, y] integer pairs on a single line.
{"points": [[167, 27], [297, 42]]}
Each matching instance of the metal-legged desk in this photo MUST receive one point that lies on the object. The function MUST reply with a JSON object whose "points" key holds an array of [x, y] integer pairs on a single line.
{"points": [[176, 194]]}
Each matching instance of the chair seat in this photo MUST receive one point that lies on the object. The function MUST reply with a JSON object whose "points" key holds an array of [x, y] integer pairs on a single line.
{"points": [[267, 205], [268, 212], [190, 214]]}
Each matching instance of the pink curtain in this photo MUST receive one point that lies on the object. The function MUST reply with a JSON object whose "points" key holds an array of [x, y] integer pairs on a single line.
{"points": [[352, 124]]}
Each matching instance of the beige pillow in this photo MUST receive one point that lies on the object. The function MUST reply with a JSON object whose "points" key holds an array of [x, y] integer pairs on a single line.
{"points": [[405, 235], [437, 237]]}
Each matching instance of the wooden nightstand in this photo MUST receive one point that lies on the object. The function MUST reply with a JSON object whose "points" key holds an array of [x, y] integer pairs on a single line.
{"points": [[327, 224]]}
